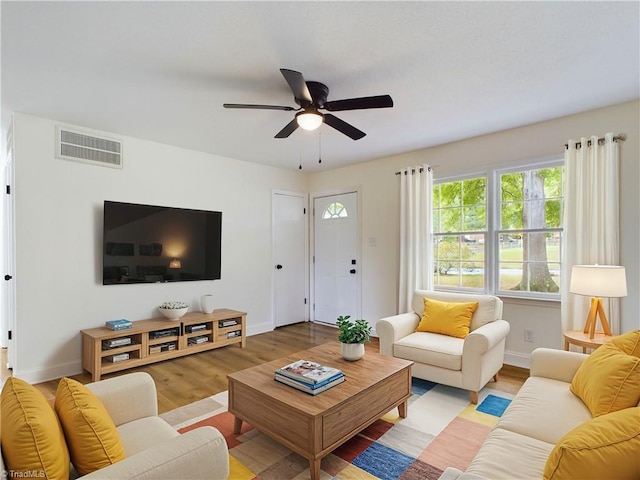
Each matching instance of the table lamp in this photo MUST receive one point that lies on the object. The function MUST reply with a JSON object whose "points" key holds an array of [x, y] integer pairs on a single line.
{"points": [[598, 281]]}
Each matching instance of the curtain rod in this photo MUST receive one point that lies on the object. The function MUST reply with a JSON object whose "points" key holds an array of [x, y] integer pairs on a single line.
{"points": [[413, 170], [621, 137]]}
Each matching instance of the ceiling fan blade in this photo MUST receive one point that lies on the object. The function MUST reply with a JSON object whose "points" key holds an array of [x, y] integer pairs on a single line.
{"points": [[288, 129], [298, 85], [258, 107], [377, 101], [343, 127]]}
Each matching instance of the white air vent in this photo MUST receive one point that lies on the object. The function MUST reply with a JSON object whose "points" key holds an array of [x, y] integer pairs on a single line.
{"points": [[81, 147]]}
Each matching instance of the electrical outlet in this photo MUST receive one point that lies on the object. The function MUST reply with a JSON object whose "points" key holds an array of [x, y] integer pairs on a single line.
{"points": [[528, 335]]}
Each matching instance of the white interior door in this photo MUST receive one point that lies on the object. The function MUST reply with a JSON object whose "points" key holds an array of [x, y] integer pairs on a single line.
{"points": [[336, 257], [290, 259]]}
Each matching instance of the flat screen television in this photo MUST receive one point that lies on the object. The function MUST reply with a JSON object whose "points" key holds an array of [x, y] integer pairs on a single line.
{"points": [[153, 244]]}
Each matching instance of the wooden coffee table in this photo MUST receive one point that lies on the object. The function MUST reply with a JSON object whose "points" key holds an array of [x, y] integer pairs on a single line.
{"points": [[313, 426]]}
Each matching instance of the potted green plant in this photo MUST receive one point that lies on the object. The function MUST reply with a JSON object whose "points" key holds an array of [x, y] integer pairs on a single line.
{"points": [[353, 335]]}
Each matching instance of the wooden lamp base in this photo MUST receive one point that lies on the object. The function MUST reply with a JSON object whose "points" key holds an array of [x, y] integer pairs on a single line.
{"points": [[595, 311]]}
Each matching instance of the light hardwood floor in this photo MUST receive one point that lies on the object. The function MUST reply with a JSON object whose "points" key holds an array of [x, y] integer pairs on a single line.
{"points": [[184, 380]]}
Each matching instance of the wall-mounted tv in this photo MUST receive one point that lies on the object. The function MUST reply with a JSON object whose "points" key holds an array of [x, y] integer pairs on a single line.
{"points": [[153, 244]]}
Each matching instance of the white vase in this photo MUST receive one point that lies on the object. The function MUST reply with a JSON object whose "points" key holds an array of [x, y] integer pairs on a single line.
{"points": [[352, 351], [206, 303]]}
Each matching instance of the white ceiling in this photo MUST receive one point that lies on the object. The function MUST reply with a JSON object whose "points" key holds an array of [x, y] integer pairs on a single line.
{"points": [[162, 70]]}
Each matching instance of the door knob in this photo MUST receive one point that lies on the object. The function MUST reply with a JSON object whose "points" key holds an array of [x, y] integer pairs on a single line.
{"points": [[279, 267], [352, 271], [8, 277]]}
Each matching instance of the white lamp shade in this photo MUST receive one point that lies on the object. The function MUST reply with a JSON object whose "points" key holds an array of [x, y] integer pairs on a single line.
{"points": [[309, 120], [598, 281]]}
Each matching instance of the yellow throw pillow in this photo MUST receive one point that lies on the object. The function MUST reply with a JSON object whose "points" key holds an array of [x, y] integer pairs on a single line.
{"points": [[32, 439], [604, 447], [628, 343], [93, 440], [447, 318], [609, 379]]}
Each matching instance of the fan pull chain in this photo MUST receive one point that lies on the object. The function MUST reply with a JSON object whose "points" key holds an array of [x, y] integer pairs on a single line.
{"points": [[319, 146], [300, 155]]}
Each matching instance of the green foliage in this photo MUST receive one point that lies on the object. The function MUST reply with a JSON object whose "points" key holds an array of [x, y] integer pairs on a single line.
{"points": [[513, 203], [461, 205], [450, 255], [353, 332]]}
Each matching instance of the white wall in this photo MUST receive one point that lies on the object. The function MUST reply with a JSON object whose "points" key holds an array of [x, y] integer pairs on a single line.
{"points": [[380, 206], [59, 240]]}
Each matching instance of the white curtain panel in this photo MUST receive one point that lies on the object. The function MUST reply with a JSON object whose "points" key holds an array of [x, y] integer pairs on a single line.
{"points": [[416, 261], [591, 223]]}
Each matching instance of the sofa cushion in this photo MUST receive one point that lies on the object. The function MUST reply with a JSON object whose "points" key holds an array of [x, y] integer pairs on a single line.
{"points": [[92, 437], [534, 411], [144, 433], [489, 306], [607, 446], [431, 349], [447, 318], [609, 379], [32, 439], [508, 455]]}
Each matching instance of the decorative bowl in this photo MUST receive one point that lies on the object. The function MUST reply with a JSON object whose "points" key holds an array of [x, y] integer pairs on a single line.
{"points": [[173, 313]]}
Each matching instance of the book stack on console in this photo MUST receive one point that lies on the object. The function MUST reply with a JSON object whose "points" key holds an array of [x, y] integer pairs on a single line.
{"points": [[121, 324], [116, 342], [309, 377]]}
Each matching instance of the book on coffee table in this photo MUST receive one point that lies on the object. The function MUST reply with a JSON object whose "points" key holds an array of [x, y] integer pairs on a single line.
{"points": [[311, 390], [309, 372]]}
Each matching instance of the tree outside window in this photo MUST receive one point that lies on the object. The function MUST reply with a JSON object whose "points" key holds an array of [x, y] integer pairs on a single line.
{"points": [[459, 233], [525, 241], [530, 230]]}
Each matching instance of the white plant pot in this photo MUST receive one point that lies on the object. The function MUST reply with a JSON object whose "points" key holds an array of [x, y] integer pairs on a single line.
{"points": [[206, 303], [352, 351]]}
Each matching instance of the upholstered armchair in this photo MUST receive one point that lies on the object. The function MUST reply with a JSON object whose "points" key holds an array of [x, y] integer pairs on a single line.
{"points": [[468, 363]]}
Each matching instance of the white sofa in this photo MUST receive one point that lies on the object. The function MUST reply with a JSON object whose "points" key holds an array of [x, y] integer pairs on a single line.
{"points": [[542, 412], [154, 449], [467, 363]]}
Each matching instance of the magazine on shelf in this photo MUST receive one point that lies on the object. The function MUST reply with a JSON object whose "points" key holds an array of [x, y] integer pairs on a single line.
{"points": [[122, 324], [310, 372], [311, 385], [303, 388], [116, 342]]}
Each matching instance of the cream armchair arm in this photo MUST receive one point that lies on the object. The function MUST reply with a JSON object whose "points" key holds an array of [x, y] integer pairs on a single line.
{"points": [[484, 338], [127, 397], [483, 355], [197, 454], [555, 364], [392, 329]]}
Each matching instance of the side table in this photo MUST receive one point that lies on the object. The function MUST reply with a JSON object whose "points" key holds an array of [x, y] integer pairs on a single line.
{"points": [[581, 339]]}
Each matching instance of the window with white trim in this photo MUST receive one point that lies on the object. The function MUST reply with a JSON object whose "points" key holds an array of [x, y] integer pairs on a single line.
{"points": [[500, 232]]}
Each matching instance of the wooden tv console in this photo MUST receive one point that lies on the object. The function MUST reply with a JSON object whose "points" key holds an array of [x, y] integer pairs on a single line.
{"points": [[160, 339]]}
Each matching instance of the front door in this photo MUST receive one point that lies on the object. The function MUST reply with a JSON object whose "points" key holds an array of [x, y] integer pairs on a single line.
{"points": [[290, 260], [336, 260]]}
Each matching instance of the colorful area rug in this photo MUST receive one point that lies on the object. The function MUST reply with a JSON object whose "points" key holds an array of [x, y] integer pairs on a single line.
{"points": [[441, 429]]}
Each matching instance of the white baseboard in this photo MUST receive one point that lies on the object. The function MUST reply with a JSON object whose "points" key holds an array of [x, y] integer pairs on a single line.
{"points": [[263, 327], [51, 373], [517, 359]]}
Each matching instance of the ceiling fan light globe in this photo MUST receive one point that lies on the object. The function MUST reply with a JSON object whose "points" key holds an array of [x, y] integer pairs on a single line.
{"points": [[309, 120]]}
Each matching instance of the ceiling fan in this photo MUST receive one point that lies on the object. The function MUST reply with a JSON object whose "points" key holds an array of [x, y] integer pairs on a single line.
{"points": [[311, 98]]}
